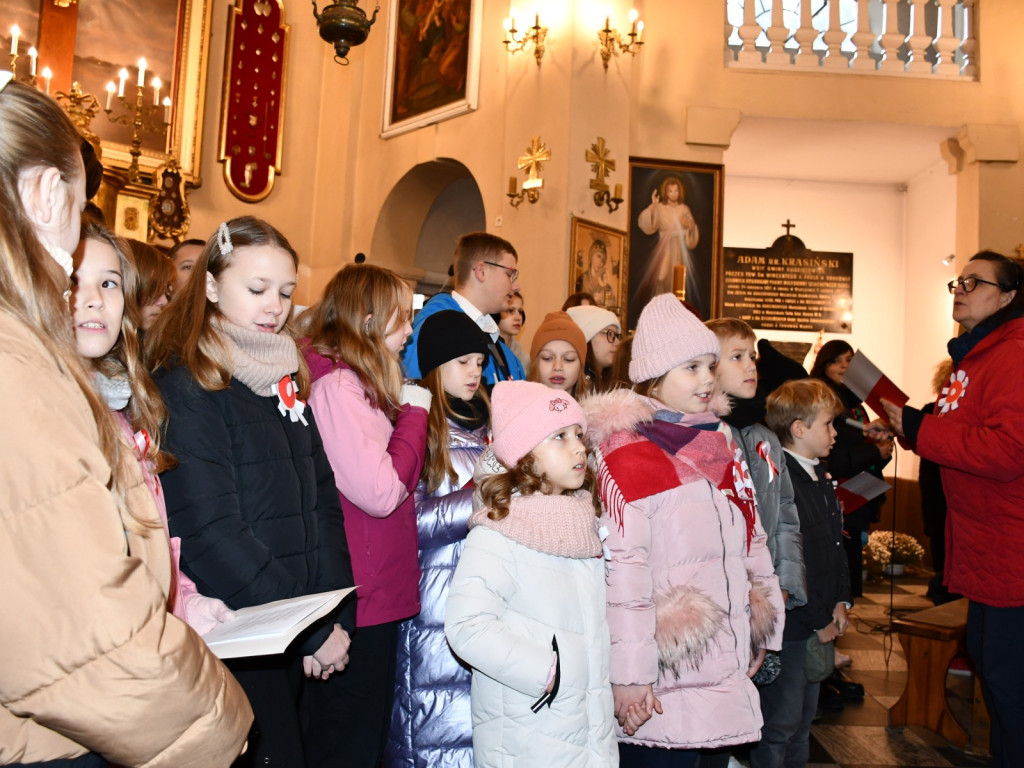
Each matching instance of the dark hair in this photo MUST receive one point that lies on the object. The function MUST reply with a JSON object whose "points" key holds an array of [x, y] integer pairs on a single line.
{"points": [[156, 272], [93, 169], [830, 352], [577, 299], [172, 254], [1009, 274]]}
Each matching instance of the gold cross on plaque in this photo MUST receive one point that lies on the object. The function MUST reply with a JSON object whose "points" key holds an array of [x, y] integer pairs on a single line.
{"points": [[536, 154], [600, 163]]}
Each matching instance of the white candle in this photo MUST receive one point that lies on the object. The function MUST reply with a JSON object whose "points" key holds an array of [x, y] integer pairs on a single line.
{"points": [[167, 110], [15, 34], [32, 56], [47, 76], [639, 31], [111, 88], [156, 91], [142, 73], [121, 76], [633, 16]]}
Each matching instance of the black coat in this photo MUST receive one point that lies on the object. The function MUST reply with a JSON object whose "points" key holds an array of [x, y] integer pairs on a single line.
{"points": [[253, 499], [852, 454], [821, 526]]}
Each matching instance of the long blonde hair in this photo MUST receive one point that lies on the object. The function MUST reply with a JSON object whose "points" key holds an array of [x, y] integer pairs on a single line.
{"points": [[438, 464], [338, 328], [35, 134], [124, 360], [184, 329]]}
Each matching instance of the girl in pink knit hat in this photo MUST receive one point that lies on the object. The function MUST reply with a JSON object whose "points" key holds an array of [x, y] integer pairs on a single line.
{"points": [[526, 607], [693, 601]]}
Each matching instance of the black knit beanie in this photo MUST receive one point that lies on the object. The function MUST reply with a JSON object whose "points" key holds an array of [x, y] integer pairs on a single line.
{"points": [[446, 335]]}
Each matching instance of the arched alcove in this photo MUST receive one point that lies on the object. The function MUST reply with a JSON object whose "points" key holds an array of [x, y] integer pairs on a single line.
{"points": [[422, 217]]}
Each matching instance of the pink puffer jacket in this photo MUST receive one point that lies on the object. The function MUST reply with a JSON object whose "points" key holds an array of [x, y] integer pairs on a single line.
{"points": [[688, 604]]}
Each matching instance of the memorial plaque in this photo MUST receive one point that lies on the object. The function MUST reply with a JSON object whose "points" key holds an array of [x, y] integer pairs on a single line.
{"points": [[789, 287]]}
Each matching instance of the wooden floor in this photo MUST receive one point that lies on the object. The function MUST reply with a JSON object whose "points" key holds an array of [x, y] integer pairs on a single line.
{"points": [[858, 737]]}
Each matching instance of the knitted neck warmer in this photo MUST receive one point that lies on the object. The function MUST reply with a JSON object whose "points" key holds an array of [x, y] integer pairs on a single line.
{"points": [[745, 411], [471, 414], [564, 526], [259, 360], [115, 392]]}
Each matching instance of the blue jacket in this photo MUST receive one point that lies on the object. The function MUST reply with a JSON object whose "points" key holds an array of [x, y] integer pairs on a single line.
{"points": [[410, 355], [431, 724]]}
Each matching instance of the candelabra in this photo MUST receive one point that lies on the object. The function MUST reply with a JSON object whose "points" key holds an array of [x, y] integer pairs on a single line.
{"points": [[614, 43], [140, 117], [81, 108], [601, 163], [516, 40]]}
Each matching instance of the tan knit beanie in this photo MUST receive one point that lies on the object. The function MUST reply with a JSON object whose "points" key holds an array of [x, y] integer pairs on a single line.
{"points": [[558, 326]]}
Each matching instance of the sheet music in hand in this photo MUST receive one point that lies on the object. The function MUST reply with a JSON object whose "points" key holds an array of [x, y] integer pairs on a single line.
{"points": [[264, 630]]}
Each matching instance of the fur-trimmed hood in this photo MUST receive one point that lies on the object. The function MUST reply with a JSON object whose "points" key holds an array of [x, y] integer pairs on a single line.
{"points": [[611, 412]]}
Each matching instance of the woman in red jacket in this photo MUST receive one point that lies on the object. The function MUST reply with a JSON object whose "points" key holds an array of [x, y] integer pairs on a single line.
{"points": [[976, 436]]}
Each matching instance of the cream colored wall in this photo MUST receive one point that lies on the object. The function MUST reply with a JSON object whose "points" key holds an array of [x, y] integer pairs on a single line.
{"points": [[338, 171]]}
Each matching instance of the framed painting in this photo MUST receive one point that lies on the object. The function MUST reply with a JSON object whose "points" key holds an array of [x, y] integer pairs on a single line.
{"points": [[433, 62], [675, 234], [599, 263]]}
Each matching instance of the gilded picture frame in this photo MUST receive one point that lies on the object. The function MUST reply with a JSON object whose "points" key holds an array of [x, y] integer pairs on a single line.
{"points": [[675, 219], [433, 62], [599, 264]]}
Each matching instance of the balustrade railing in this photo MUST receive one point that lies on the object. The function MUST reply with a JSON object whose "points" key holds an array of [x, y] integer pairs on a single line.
{"points": [[925, 38]]}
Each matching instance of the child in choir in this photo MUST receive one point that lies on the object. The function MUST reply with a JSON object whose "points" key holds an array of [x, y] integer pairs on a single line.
{"points": [[558, 351], [105, 311], [603, 334], [526, 607], [510, 322], [430, 723], [252, 497], [375, 435], [801, 413], [693, 600]]}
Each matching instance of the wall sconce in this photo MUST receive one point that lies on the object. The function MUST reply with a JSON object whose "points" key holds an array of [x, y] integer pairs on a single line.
{"points": [[602, 164], [536, 154], [516, 40], [948, 260], [343, 24], [614, 43]]}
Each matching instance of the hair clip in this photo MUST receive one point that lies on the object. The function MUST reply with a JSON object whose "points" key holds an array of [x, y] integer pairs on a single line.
{"points": [[5, 78], [224, 240]]}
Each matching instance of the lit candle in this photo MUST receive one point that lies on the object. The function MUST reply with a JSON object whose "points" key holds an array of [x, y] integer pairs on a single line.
{"points": [[121, 76], [633, 16], [156, 90], [607, 18], [512, 18], [618, 192], [47, 76], [508, 26], [167, 110], [536, 21], [111, 88], [15, 34], [512, 186], [142, 73], [33, 54], [639, 31]]}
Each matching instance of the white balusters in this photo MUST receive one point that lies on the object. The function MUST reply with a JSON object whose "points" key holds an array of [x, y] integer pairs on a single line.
{"points": [[946, 44], [749, 33], [969, 48], [892, 39], [864, 38], [833, 38], [805, 36], [919, 39], [777, 34]]}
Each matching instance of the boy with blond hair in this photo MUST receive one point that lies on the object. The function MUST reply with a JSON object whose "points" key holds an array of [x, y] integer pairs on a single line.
{"points": [[801, 413]]}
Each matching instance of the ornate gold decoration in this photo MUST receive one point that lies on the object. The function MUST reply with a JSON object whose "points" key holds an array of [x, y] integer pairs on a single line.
{"points": [[532, 162]]}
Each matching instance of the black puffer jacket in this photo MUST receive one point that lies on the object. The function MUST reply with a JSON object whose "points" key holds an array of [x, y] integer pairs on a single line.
{"points": [[252, 499]]}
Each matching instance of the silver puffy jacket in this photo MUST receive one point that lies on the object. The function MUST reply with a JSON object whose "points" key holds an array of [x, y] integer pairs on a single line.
{"points": [[431, 725]]}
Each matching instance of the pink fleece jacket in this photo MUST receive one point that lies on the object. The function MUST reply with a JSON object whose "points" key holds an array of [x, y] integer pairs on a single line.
{"points": [[376, 466]]}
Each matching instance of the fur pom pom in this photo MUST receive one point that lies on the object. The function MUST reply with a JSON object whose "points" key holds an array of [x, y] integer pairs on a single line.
{"points": [[762, 615], [615, 411], [686, 623], [721, 404]]}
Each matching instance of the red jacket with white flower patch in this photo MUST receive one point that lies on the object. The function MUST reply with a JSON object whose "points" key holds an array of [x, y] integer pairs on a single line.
{"points": [[977, 438]]}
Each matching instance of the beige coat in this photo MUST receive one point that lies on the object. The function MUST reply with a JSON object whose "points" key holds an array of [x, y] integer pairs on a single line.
{"points": [[90, 659]]}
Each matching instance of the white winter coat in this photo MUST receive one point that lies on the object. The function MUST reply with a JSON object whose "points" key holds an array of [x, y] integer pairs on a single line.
{"points": [[505, 603]]}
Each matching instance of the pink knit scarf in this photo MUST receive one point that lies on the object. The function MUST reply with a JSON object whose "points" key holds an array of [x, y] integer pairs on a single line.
{"points": [[557, 525]]}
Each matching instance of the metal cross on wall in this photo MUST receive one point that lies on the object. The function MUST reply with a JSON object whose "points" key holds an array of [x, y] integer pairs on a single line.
{"points": [[532, 160], [600, 163]]}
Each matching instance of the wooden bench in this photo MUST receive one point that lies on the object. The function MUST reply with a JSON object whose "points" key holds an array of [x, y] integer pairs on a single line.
{"points": [[931, 639]]}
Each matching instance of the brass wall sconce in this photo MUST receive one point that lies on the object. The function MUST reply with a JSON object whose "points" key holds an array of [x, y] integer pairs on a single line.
{"points": [[516, 40], [612, 43], [602, 164], [343, 24], [536, 154]]}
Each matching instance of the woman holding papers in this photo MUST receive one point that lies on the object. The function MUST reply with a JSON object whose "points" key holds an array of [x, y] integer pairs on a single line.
{"points": [[976, 436], [93, 666], [853, 452], [252, 497]]}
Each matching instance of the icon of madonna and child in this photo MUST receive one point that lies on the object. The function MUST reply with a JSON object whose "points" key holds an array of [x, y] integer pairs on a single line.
{"points": [[665, 234]]}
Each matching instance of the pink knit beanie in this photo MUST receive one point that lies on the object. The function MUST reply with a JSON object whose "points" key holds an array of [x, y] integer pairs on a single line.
{"points": [[667, 335], [523, 413]]}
